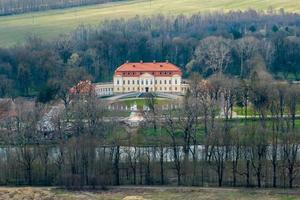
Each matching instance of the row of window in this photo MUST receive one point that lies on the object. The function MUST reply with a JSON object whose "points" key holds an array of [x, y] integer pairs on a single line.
{"points": [[144, 89], [146, 82], [141, 73], [106, 89]]}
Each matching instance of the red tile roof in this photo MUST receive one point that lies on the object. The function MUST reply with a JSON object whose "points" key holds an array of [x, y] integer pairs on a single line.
{"points": [[7, 108], [148, 67], [83, 87]]}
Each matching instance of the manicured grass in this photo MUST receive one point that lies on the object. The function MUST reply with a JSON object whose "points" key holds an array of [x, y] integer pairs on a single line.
{"points": [[117, 114], [50, 24], [141, 102]]}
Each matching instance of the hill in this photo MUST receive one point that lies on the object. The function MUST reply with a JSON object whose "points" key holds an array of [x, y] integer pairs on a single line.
{"points": [[49, 24]]}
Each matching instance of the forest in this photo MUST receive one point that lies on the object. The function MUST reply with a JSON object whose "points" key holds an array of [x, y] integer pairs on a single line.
{"points": [[238, 59], [191, 145], [38, 66], [9, 7]]}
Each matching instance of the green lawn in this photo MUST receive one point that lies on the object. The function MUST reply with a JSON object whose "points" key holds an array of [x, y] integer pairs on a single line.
{"points": [[140, 102], [49, 24], [149, 135], [241, 111]]}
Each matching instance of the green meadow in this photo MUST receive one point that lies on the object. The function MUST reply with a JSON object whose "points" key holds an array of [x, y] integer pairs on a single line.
{"points": [[50, 24]]}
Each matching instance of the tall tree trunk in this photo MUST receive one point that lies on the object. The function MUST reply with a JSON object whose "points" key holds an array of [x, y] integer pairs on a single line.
{"points": [[162, 181], [248, 173], [116, 165]]}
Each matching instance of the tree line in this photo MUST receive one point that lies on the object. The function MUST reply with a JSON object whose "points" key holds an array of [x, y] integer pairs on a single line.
{"points": [[201, 143], [9, 7], [203, 43]]}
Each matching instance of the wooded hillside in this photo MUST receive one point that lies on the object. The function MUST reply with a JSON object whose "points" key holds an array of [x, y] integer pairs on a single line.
{"points": [[249, 40]]}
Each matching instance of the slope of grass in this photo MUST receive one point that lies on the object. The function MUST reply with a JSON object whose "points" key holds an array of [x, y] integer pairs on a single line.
{"points": [[49, 24]]}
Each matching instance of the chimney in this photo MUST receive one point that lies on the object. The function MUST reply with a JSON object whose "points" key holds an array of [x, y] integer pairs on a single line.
{"points": [[141, 61], [167, 61], [127, 61], [154, 61]]}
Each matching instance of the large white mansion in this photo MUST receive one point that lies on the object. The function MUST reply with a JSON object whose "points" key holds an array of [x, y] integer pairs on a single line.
{"points": [[163, 77]]}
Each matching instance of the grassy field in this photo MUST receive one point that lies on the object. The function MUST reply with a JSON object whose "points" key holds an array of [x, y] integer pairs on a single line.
{"points": [[147, 193], [49, 24], [241, 111], [141, 102]]}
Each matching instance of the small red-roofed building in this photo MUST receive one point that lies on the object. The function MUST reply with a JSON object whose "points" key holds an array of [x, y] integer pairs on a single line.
{"points": [[83, 87], [7, 109]]}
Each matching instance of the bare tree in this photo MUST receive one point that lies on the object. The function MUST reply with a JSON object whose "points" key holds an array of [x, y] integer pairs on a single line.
{"points": [[257, 142], [246, 47], [292, 99], [235, 151], [213, 53], [171, 128], [216, 140], [290, 151]]}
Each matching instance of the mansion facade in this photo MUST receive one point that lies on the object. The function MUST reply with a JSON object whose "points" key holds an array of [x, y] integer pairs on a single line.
{"points": [[161, 77]]}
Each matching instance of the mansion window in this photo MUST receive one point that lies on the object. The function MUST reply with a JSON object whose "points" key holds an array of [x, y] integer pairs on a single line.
{"points": [[123, 82], [146, 82], [176, 81], [128, 82], [118, 82], [155, 81], [132, 81], [170, 82], [138, 81], [142, 82], [151, 82], [165, 81], [160, 82]]}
